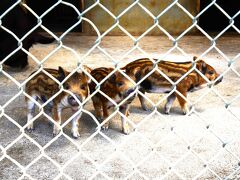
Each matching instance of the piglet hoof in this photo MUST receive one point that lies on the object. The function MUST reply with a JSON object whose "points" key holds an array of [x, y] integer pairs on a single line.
{"points": [[126, 130], [145, 108], [166, 111], [105, 127], [185, 109], [55, 132], [185, 112], [75, 135], [30, 128]]}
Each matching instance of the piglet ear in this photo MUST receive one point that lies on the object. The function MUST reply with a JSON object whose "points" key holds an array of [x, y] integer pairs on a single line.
{"points": [[61, 74], [137, 74], [195, 58], [112, 79], [88, 69], [202, 66]]}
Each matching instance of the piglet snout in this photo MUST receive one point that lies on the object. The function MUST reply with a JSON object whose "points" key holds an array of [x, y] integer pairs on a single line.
{"points": [[72, 101], [130, 91], [219, 80]]}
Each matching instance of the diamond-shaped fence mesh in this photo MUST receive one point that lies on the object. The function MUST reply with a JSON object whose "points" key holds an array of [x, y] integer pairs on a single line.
{"points": [[202, 144]]}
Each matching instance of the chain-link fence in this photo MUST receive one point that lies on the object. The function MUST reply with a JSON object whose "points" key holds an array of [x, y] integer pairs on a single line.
{"points": [[203, 144]]}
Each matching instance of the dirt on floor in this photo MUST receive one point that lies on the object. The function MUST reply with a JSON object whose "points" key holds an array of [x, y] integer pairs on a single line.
{"points": [[202, 145]]}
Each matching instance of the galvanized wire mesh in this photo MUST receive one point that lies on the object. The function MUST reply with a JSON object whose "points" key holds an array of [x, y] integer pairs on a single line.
{"points": [[136, 132]]}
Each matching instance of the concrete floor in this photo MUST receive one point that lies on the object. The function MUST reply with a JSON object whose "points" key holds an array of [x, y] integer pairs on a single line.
{"points": [[168, 147]]}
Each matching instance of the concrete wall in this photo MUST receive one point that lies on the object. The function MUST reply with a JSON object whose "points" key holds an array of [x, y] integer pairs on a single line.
{"points": [[136, 20]]}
